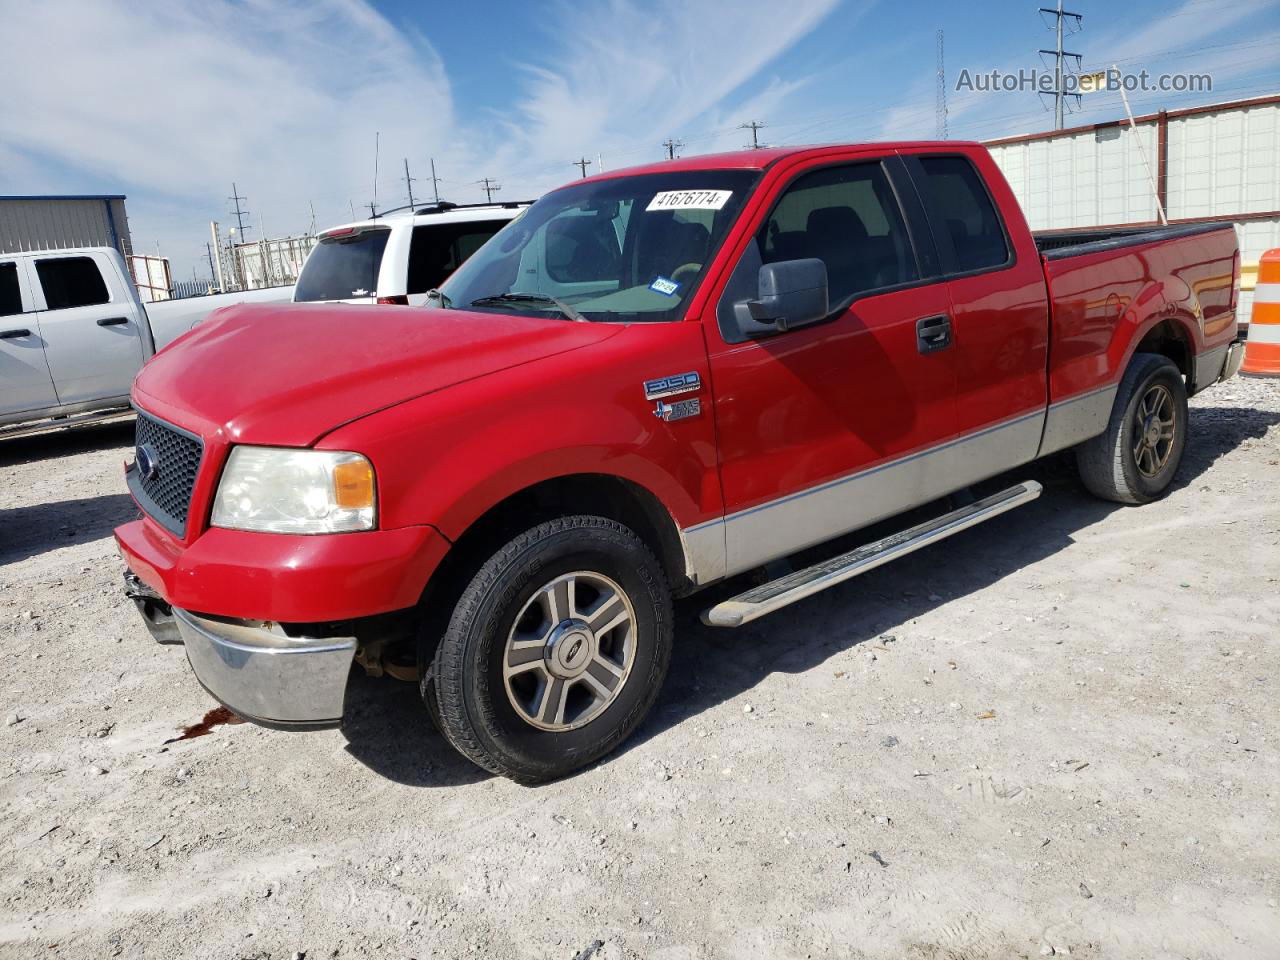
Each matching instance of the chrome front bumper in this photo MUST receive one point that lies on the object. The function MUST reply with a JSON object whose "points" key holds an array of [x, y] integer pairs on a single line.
{"points": [[265, 676]]}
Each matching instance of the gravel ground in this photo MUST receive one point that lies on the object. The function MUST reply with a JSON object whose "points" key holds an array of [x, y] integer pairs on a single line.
{"points": [[1056, 733]]}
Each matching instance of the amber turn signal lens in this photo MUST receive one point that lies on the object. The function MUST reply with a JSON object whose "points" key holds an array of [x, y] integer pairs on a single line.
{"points": [[353, 484]]}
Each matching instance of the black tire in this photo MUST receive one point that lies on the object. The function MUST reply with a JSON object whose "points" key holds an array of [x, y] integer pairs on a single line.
{"points": [[466, 690], [1108, 463]]}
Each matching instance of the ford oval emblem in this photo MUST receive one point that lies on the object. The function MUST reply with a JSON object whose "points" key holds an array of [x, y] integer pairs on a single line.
{"points": [[148, 462]]}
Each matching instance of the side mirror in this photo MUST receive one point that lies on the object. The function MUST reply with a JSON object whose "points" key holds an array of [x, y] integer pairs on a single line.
{"points": [[792, 293]]}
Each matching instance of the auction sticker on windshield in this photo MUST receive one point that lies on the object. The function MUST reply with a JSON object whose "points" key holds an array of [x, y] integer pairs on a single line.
{"points": [[689, 200]]}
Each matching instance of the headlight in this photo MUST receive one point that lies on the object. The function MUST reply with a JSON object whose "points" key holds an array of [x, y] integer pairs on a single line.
{"points": [[278, 490]]}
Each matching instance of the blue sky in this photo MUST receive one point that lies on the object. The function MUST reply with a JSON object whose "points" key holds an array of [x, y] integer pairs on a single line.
{"points": [[169, 102]]}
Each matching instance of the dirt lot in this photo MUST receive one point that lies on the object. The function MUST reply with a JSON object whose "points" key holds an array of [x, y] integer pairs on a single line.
{"points": [[1058, 732]]}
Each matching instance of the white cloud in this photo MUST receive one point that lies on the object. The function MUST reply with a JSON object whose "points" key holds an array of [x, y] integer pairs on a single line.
{"points": [[170, 102]]}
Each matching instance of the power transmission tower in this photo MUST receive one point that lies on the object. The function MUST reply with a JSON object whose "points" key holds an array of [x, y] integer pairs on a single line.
{"points": [[672, 146], [490, 187], [941, 106], [313, 217], [1059, 94], [754, 126], [239, 214], [408, 180], [583, 163]]}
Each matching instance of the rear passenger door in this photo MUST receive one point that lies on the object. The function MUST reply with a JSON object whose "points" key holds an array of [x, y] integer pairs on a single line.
{"points": [[89, 325], [999, 310], [25, 383]]}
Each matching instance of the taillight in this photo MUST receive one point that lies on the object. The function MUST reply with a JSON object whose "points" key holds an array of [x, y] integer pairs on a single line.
{"points": [[399, 300]]}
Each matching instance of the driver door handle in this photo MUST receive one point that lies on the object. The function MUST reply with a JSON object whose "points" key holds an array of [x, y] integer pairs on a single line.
{"points": [[933, 333]]}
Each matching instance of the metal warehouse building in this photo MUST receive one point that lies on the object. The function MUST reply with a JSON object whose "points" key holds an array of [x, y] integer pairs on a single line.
{"points": [[1210, 163], [59, 222]]}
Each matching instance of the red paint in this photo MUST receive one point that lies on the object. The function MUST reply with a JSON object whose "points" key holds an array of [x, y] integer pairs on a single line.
{"points": [[458, 410]]}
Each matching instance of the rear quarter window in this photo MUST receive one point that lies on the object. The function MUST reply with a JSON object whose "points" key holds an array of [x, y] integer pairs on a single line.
{"points": [[437, 250], [71, 282], [965, 222], [341, 268]]}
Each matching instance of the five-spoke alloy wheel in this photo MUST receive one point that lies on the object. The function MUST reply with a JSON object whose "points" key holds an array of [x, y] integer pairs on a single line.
{"points": [[555, 650]]}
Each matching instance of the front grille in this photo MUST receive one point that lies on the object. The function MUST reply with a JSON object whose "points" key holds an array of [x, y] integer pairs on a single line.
{"points": [[162, 476]]}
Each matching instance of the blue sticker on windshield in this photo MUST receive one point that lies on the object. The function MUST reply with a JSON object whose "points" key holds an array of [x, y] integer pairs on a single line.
{"points": [[664, 286]]}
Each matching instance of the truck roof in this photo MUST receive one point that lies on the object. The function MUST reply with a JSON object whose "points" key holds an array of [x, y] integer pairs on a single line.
{"points": [[767, 156]]}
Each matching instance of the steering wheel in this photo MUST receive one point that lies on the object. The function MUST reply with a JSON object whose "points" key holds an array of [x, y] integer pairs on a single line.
{"points": [[685, 271]]}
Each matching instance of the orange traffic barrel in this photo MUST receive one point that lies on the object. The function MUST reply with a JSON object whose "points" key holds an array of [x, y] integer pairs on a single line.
{"points": [[1262, 350]]}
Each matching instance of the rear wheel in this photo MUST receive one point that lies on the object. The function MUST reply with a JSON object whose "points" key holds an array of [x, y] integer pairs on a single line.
{"points": [[1136, 458], [555, 650]]}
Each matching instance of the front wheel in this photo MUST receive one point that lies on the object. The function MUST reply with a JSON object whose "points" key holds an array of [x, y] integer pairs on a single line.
{"points": [[1135, 459], [555, 651]]}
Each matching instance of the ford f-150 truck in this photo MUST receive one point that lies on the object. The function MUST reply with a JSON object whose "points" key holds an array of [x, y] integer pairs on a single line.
{"points": [[653, 380]]}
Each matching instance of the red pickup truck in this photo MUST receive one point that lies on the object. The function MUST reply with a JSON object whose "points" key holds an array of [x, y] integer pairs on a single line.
{"points": [[652, 380]]}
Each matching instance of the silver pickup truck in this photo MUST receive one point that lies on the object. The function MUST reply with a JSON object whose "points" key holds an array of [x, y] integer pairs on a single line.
{"points": [[73, 334]]}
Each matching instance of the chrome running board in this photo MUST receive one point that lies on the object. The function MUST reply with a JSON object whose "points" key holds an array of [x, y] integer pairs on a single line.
{"points": [[779, 593]]}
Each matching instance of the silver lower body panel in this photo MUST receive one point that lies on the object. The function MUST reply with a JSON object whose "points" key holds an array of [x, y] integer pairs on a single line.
{"points": [[265, 676]]}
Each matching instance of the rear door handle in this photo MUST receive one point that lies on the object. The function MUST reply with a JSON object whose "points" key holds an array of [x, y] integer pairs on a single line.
{"points": [[933, 333], [14, 334], [112, 321]]}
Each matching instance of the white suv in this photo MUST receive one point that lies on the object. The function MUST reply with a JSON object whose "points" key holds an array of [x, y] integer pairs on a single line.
{"points": [[397, 256]]}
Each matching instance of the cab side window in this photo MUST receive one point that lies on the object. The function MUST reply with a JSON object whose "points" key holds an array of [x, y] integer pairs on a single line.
{"points": [[965, 224], [849, 219], [71, 282]]}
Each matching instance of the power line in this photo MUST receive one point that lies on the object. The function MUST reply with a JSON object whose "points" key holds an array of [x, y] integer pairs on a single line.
{"points": [[1059, 94], [583, 164], [754, 126], [490, 187]]}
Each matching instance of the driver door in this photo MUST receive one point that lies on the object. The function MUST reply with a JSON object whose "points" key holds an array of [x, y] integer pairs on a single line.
{"points": [[827, 428]]}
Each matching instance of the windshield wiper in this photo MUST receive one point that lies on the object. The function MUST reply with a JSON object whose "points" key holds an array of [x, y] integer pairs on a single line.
{"points": [[500, 298]]}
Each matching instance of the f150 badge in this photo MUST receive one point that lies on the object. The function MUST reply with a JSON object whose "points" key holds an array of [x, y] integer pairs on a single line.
{"points": [[674, 386]]}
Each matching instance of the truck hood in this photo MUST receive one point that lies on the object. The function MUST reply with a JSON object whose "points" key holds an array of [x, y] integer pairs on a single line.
{"points": [[288, 374]]}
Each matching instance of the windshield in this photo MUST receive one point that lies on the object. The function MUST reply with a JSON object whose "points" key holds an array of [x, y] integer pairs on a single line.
{"points": [[623, 250], [343, 266]]}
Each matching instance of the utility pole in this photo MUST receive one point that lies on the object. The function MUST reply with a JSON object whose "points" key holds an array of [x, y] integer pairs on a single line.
{"points": [[583, 164], [490, 187], [940, 119], [435, 181], [408, 180], [208, 248], [672, 146], [313, 217], [754, 126], [1058, 54], [239, 214]]}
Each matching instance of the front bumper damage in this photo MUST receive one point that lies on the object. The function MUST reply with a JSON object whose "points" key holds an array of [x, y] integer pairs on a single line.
{"points": [[266, 676], [253, 667]]}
